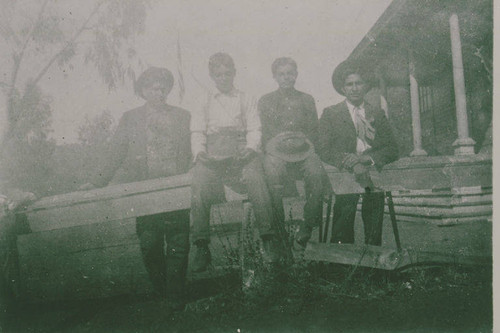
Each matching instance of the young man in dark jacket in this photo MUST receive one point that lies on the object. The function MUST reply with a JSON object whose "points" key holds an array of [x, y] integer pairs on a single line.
{"points": [[153, 141], [354, 135], [289, 136]]}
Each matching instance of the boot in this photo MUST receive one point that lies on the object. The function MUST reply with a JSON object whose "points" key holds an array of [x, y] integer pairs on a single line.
{"points": [[202, 257], [304, 234]]}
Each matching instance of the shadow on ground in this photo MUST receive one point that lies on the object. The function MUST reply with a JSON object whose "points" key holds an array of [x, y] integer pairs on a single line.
{"points": [[304, 298]]}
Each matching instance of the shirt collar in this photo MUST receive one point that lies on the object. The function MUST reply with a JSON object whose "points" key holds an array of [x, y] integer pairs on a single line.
{"points": [[352, 107]]}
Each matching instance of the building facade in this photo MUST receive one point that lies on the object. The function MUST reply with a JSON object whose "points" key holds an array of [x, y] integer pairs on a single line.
{"points": [[432, 61]]}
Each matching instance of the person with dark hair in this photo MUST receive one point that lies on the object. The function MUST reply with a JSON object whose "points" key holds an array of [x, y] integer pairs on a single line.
{"points": [[225, 140], [153, 141], [289, 136], [354, 135]]}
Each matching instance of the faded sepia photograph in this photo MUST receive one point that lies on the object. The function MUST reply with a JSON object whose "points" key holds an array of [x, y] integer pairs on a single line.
{"points": [[246, 166]]}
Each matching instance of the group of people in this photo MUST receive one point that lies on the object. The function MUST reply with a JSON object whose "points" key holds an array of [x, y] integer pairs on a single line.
{"points": [[231, 139]]}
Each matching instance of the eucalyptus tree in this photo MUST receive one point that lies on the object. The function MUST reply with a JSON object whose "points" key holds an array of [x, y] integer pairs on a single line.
{"points": [[38, 35]]}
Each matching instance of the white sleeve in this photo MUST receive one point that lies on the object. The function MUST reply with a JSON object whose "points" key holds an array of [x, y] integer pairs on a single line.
{"points": [[198, 127], [253, 124]]}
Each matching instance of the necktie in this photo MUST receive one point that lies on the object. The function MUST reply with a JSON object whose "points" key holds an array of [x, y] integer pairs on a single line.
{"points": [[364, 129]]}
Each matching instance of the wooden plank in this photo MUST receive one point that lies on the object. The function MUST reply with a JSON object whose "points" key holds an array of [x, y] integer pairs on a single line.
{"points": [[172, 193], [350, 254], [384, 258], [452, 212], [113, 192], [108, 271], [442, 201], [104, 272], [104, 259], [422, 173], [78, 238], [441, 221], [106, 234], [111, 209]]}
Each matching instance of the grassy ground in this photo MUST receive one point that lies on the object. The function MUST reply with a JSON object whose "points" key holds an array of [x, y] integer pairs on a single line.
{"points": [[306, 297], [310, 297]]}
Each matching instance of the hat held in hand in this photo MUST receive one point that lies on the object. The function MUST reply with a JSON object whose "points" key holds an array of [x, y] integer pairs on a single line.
{"points": [[290, 146]]}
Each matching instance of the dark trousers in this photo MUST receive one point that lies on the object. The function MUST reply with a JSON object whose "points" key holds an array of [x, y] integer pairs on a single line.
{"points": [[344, 213], [207, 188], [280, 173], [164, 241]]}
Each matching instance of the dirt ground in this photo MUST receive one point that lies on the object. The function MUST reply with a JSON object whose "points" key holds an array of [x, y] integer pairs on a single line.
{"points": [[311, 298], [306, 297]]}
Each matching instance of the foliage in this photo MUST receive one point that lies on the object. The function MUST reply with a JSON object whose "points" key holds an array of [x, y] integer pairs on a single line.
{"points": [[29, 115], [71, 164], [26, 154], [48, 33], [97, 130]]}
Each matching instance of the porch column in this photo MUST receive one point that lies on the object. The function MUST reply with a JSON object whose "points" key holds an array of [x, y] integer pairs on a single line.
{"points": [[383, 94], [415, 112], [464, 145]]}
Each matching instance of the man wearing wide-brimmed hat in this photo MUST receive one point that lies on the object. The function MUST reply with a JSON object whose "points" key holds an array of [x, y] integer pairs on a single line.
{"points": [[289, 135], [354, 135], [153, 141]]}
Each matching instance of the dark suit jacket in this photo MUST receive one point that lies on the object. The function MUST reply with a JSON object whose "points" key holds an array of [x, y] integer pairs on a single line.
{"points": [[126, 160], [288, 111], [337, 136]]}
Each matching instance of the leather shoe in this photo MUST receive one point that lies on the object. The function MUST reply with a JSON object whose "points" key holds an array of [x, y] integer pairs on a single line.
{"points": [[303, 235]]}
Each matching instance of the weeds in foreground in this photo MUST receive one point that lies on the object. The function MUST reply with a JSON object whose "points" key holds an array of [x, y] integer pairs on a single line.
{"points": [[291, 288], [294, 289]]}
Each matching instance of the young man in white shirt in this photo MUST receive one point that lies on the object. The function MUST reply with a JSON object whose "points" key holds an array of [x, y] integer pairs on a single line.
{"points": [[225, 141]]}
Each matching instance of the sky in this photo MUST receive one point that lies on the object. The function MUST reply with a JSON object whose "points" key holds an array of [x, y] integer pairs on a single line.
{"points": [[318, 34]]}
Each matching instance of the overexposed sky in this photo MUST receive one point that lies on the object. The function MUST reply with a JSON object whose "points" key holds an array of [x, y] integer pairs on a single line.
{"points": [[318, 34]]}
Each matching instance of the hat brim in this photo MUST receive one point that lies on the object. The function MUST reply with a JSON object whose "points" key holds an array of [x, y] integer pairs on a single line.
{"points": [[340, 72], [272, 149], [154, 74]]}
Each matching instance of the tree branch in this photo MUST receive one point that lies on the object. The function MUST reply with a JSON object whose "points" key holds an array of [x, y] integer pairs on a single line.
{"points": [[18, 60], [68, 43]]}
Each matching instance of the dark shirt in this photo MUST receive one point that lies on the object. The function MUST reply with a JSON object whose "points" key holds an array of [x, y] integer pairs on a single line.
{"points": [[289, 110], [147, 144]]}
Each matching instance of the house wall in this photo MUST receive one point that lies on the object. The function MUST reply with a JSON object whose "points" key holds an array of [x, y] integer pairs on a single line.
{"points": [[439, 124]]}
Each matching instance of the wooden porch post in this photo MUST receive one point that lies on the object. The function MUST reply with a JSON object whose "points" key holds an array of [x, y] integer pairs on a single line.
{"points": [[464, 145], [415, 111], [383, 93]]}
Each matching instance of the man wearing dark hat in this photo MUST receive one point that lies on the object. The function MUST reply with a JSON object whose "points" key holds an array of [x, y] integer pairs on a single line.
{"points": [[153, 141], [289, 135], [354, 135], [226, 139]]}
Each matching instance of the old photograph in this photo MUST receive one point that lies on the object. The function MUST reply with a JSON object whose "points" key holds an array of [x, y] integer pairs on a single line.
{"points": [[246, 166]]}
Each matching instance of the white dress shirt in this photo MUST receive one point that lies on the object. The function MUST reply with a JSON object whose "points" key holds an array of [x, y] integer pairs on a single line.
{"points": [[217, 111], [361, 145]]}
